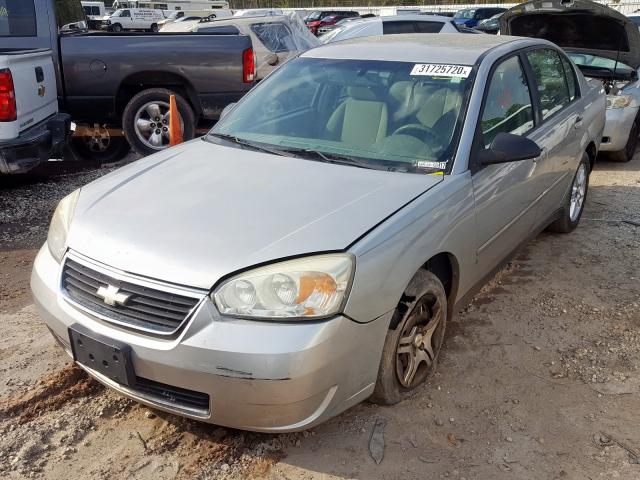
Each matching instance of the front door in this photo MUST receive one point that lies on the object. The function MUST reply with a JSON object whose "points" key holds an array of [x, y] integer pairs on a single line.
{"points": [[505, 193]]}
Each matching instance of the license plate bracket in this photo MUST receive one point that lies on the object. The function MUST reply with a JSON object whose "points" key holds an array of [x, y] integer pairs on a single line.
{"points": [[102, 354]]}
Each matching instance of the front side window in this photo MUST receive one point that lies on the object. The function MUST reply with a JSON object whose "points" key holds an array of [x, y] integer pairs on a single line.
{"points": [[125, 13], [508, 106], [378, 114], [392, 28], [550, 80]]}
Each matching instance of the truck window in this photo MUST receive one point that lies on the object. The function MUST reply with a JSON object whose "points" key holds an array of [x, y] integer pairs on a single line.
{"points": [[17, 18], [69, 12]]}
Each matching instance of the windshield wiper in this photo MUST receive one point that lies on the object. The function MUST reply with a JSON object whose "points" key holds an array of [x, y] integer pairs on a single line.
{"points": [[252, 145]]}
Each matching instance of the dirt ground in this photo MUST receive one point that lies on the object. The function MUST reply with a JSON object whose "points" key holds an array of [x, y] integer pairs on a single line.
{"points": [[538, 379]]}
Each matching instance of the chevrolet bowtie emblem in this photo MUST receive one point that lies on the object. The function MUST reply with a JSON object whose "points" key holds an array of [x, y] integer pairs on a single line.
{"points": [[112, 296]]}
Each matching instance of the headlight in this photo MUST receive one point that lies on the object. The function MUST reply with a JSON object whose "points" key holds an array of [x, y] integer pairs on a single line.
{"points": [[618, 101], [60, 223], [307, 288]]}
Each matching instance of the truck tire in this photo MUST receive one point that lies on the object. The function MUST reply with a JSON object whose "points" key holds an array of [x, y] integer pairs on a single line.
{"points": [[154, 28], [99, 145], [145, 120], [116, 27]]}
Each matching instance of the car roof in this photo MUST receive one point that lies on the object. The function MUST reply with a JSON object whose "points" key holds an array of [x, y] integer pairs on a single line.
{"points": [[452, 48], [416, 17]]}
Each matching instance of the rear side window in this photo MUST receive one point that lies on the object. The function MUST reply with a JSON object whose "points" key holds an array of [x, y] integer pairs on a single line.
{"points": [[429, 27], [222, 30], [571, 79], [17, 18], [550, 79], [275, 36], [507, 105], [392, 28]]}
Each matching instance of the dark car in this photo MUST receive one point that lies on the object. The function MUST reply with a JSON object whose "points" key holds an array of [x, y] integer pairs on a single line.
{"points": [[318, 19], [490, 25], [470, 17]]}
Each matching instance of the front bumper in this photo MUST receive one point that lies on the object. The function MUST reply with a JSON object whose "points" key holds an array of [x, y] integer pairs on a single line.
{"points": [[36, 145], [617, 128], [260, 376]]}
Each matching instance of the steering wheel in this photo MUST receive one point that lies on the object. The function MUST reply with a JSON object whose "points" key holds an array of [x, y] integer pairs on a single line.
{"points": [[421, 132]]}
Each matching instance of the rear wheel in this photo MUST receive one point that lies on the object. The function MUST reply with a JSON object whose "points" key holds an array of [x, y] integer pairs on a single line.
{"points": [[98, 143], [629, 150], [411, 349], [145, 120], [574, 204]]}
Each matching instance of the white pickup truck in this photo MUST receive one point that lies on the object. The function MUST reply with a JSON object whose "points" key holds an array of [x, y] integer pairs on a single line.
{"points": [[31, 129]]}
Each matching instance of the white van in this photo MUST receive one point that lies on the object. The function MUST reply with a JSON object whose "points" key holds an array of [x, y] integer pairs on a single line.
{"points": [[94, 11], [134, 19]]}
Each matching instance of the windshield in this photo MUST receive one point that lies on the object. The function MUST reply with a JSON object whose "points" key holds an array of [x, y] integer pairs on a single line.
{"points": [[380, 114], [466, 14], [313, 16], [588, 60], [117, 13]]}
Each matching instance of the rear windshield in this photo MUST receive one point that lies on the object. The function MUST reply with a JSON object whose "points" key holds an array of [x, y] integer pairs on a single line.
{"points": [[17, 18]]}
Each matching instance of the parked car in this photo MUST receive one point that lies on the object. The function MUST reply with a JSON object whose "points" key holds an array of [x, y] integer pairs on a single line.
{"points": [[95, 12], [134, 19], [328, 28], [372, 185], [635, 19], [258, 12], [275, 38], [390, 25], [611, 58], [181, 15], [184, 24], [31, 129], [316, 20], [112, 83], [470, 17], [490, 25]]}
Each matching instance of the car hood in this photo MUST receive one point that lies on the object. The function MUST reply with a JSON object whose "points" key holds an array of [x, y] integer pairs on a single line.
{"points": [[199, 211], [580, 26]]}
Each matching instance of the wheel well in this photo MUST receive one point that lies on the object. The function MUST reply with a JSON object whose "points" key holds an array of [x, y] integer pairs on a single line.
{"points": [[138, 82], [592, 151], [445, 267]]}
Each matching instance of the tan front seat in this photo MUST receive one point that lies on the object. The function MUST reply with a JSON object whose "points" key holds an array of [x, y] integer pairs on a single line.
{"points": [[437, 104], [361, 120]]}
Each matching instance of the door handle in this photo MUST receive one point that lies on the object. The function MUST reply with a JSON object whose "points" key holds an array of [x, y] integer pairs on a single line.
{"points": [[578, 122]]}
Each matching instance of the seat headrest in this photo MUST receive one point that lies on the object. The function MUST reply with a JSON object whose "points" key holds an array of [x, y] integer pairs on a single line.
{"points": [[361, 93]]}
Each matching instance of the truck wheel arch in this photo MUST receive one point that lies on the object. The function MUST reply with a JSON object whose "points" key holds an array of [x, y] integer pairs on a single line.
{"points": [[137, 82]]}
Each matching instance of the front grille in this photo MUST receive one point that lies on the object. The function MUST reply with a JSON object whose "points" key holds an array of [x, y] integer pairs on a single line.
{"points": [[146, 308], [179, 397]]}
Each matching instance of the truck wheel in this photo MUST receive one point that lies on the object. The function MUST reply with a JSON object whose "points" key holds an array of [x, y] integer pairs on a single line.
{"points": [[154, 28], [574, 203], [411, 349], [116, 27], [145, 120], [97, 144]]}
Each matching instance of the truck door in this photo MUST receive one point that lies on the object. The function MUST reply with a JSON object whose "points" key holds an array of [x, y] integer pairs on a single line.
{"points": [[31, 78]]}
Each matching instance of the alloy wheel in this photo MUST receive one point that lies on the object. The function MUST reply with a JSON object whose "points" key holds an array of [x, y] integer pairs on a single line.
{"points": [[151, 124], [578, 192]]}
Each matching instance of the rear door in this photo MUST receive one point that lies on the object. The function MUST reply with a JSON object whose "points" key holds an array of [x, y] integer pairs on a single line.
{"points": [[561, 127]]}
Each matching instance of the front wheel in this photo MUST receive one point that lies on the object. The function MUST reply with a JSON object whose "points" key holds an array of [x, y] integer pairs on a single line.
{"points": [[411, 347], [154, 28], [626, 154], [574, 203], [145, 120], [116, 27]]}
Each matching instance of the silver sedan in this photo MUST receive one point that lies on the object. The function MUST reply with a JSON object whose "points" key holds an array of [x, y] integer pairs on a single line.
{"points": [[308, 253]]}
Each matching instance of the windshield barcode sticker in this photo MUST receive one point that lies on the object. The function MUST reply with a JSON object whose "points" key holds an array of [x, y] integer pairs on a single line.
{"points": [[441, 70]]}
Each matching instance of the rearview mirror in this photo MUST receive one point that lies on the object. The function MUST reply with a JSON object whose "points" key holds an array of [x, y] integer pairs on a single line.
{"points": [[226, 110], [507, 147]]}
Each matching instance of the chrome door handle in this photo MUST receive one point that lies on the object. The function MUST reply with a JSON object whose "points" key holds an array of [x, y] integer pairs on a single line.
{"points": [[542, 156], [578, 122]]}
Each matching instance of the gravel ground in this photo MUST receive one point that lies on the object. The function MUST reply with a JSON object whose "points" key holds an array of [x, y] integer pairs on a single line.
{"points": [[538, 378]]}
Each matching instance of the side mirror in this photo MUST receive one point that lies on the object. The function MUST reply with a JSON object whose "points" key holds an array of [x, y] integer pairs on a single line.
{"points": [[226, 110], [507, 147], [272, 59]]}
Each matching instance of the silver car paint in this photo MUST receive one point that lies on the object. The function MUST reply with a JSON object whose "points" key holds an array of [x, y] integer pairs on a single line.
{"points": [[290, 376]]}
